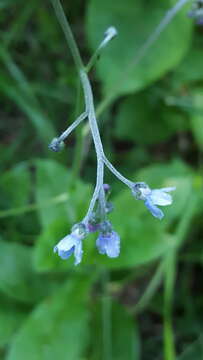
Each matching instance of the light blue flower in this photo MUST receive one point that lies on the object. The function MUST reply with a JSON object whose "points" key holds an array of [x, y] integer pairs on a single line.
{"points": [[72, 244], [109, 244], [151, 198], [69, 245]]}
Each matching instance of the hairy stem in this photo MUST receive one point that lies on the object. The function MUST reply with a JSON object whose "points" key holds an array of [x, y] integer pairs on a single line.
{"points": [[89, 104], [127, 182], [67, 132], [68, 33]]}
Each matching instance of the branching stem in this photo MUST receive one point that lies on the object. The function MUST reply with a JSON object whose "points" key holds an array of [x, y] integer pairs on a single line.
{"points": [[88, 96]]}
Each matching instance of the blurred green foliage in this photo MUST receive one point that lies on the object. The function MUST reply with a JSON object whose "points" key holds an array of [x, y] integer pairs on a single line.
{"points": [[147, 303]]}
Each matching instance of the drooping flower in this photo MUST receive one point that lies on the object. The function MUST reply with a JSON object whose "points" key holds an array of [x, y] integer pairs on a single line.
{"points": [[67, 246], [108, 241], [72, 244], [109, 244], [152, 198]]}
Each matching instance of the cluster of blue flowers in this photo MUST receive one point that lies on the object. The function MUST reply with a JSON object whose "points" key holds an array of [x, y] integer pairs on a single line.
{"points": [[108, 241]]}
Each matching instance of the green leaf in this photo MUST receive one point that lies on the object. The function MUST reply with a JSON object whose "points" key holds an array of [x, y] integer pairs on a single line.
{"points": [[137, 115], [17, 277], [53, 179], [11, 318], [57, 328], [135, 22], [123, 339]]}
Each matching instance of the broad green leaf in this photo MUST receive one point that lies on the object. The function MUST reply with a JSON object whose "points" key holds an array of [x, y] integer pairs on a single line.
{"points": [[57, 328], [139, 113], [122, 341], [52, 180], [11, 318], [135, 22], [17, 277]]}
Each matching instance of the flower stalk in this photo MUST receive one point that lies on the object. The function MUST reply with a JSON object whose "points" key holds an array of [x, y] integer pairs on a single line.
{"points": [[108, 241]]}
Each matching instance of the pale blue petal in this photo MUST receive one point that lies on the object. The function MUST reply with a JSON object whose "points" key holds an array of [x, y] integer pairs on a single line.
{"points": [[109, 244], [65, 254], [168, 189], [67, 246], [66, 243], [113, 245], [78, 252], [159, 197], [155, 211], [101, 244]]}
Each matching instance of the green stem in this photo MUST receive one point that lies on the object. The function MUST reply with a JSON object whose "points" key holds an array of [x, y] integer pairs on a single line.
{"points": [[109, 34], [77, 160], [68, 34], [89, 103]]}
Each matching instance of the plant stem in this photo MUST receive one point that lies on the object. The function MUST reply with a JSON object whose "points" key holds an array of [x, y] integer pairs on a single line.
{"points": [[68, 33], [88, 100], [99, 183], [67, 132], [109, 34], [102, 204], [76, 166], [127, 182]]}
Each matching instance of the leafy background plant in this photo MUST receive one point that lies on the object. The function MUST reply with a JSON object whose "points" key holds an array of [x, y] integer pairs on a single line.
{"points": [[147, 303]]}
